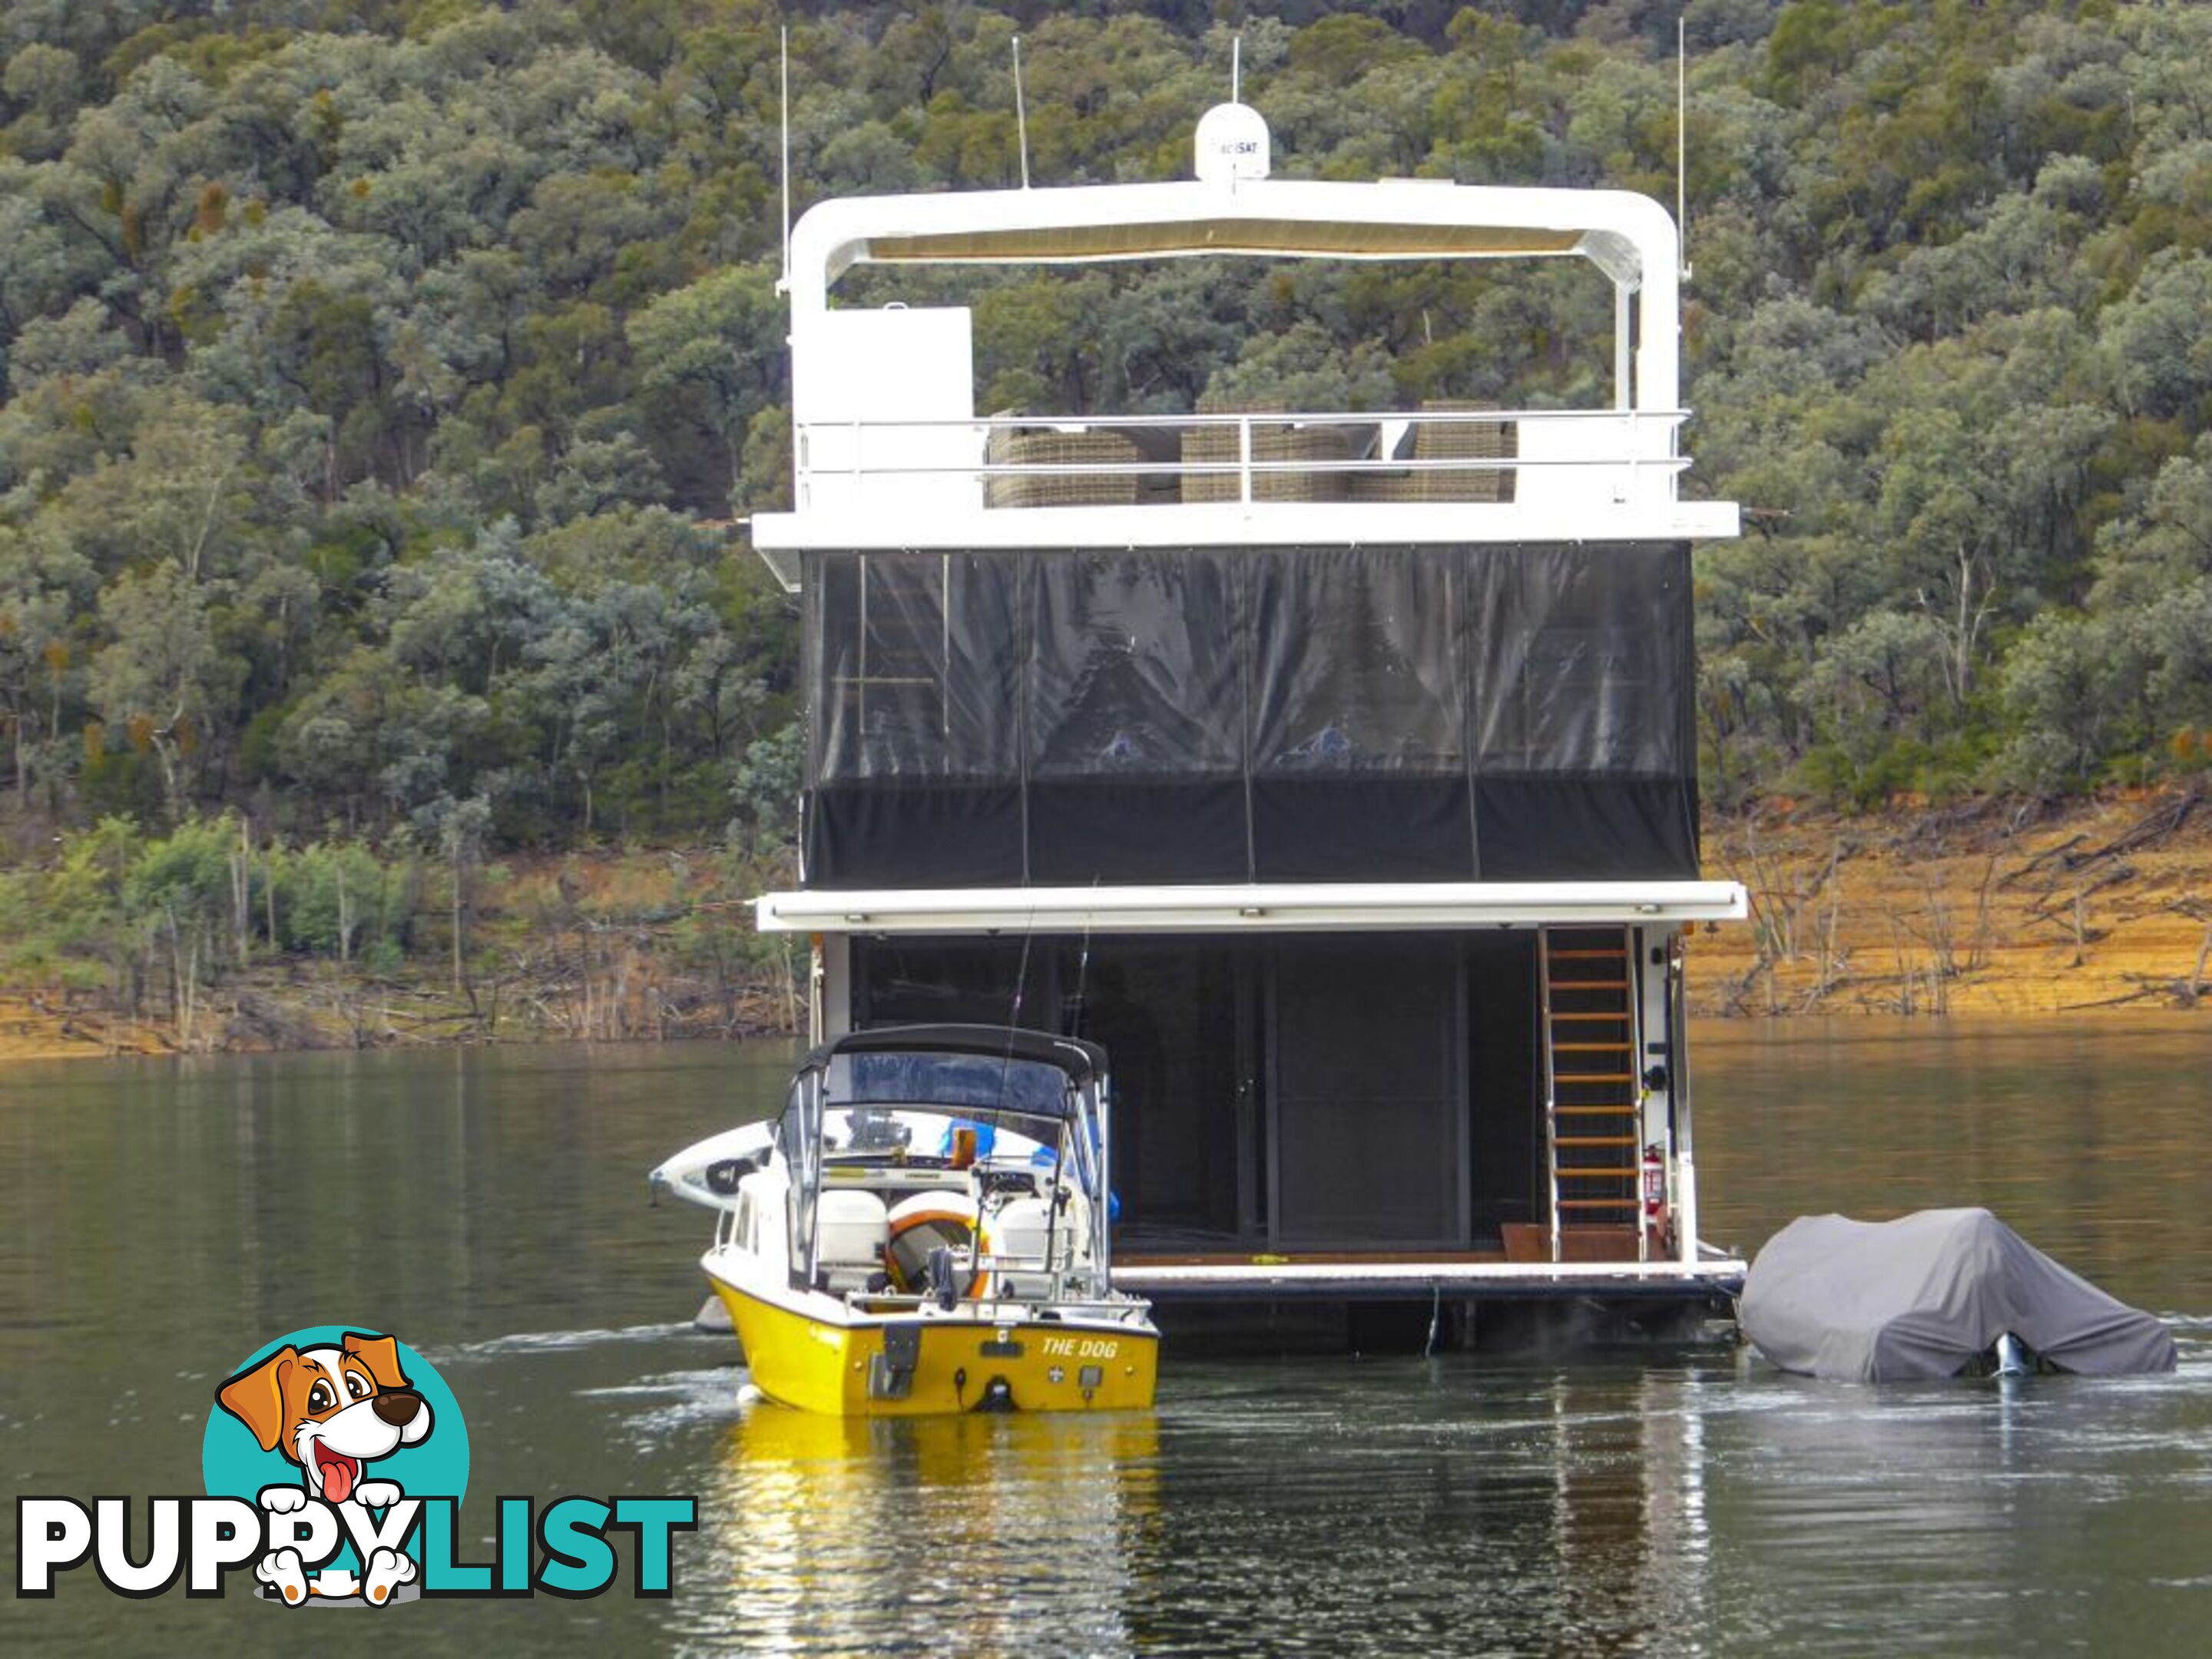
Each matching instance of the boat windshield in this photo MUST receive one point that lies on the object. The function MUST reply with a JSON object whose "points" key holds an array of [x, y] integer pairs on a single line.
{"points": [[921, 1108], [976, 1083]]}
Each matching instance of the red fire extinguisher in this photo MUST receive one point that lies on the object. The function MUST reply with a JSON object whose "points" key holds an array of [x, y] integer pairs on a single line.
{"points": [[1655, 1187]]}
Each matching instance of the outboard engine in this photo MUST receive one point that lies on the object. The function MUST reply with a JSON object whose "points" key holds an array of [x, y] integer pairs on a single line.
{"points": [[944, 1284]]}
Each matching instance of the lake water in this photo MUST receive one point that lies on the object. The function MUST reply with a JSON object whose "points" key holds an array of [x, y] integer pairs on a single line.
{"points": [[159, 1221]]}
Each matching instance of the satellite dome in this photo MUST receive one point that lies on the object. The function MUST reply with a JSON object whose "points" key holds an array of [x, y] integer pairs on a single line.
{"points": [[1232, 144]]}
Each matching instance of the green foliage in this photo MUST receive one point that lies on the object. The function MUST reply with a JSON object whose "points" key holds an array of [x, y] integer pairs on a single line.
{"points": [[336, 899], [764, 787], [1966, 357], [368, 369], [151, 918]]}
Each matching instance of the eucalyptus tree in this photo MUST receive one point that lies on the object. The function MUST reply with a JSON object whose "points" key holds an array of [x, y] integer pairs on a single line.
{"points": [[348, 351], [710, 358]]}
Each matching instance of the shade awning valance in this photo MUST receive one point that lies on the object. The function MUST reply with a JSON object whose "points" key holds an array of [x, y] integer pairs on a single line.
{"points": [[1233, 908], [1351, 241]]}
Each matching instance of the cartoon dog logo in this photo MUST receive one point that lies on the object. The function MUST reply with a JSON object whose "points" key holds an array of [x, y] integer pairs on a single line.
{"points": [[333, 1411]]}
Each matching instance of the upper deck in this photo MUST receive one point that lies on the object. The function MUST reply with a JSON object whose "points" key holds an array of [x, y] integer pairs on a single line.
{"points": [[889, 451]]}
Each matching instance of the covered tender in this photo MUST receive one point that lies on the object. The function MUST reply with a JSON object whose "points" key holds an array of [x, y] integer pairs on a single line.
{"points": [[1931, 1295]]}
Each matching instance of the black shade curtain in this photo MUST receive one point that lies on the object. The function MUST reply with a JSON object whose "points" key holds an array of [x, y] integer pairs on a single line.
{"points": [[1382, 714]]}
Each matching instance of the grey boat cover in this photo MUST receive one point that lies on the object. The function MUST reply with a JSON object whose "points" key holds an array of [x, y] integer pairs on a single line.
{"points": [[1925, 1295]]}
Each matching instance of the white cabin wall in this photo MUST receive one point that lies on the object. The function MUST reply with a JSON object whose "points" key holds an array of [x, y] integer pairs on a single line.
{"points": [[1556, 475], [833, 988], [856, 375], [1654, 948]]}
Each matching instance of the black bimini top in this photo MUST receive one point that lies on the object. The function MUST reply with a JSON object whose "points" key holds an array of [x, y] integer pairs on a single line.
{"points": [[1083, 1062]]}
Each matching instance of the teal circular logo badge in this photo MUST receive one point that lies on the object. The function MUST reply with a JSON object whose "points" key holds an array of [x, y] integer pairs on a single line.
{"points": [[330, 1429]]}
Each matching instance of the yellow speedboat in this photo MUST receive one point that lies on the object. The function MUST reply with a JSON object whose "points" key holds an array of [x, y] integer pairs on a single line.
{"points": [[925, 1229]]}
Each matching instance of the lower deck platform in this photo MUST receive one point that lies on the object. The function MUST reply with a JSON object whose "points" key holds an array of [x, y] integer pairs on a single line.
{"points": [[1370, 1303], [1461, 1275]]}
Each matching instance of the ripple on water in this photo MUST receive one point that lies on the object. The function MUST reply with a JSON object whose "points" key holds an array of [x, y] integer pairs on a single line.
{"points": [[526, 1342]]}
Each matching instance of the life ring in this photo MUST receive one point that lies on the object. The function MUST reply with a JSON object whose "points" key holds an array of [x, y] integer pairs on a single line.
{"points": [[926, 1222]]}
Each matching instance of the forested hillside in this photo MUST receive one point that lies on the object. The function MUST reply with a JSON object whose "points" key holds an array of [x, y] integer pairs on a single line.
{"points": [[377, 372]]}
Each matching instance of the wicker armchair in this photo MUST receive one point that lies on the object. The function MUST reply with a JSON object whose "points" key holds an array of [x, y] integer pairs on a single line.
{"points": [[1208, 446], [1017, 447], [1447, 440]]}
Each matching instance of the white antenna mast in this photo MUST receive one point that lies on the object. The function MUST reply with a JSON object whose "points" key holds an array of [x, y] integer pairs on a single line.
{"points": [[1021, 113], [783, 117], [1235, 69], [1682, 142]]}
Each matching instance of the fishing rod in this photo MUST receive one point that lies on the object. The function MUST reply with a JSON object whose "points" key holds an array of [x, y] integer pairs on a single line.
{"points": [[1082, 967], [1014, 1009]]}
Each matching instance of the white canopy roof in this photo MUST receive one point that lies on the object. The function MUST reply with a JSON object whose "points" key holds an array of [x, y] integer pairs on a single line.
{"points": [[1629, 237]]}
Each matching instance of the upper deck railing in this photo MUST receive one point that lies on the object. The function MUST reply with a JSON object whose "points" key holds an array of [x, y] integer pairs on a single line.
{"points": [[1494, 456], [1287, 477]]}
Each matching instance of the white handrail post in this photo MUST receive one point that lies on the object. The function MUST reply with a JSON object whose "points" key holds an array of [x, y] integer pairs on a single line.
{"points": [[1624, 393], [1685, 1214], [1244, 457]]}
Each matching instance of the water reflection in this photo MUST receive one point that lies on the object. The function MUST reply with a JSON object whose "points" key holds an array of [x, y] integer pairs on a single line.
{"points": [[981, 1534], [2087, 1137], [2007, 1516], [490, 1206]]}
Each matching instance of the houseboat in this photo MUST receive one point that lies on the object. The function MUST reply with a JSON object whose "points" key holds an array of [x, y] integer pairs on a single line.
{"points": [[1334, 771]]}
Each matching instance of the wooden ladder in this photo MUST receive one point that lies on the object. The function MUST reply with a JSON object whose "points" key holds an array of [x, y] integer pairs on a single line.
{"points": [[1592, 1105]]}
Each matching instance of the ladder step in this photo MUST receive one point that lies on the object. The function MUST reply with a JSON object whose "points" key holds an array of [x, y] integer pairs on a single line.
{"points": [[1578, 1172], [1583, 1015], [1597, 1203], [1590, 1047], [1595, 1140], [1588, 955], [1624, 1109], [1591, 1076], [1589, 985]]}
